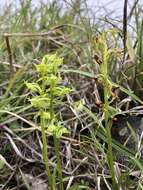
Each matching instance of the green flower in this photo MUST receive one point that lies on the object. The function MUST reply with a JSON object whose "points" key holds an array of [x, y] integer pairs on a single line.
{"points": [[33, 87], [57, 129], [52, 80], [40, 102], [42, 69], [50, 64], [45, 115], [79, 105], [62, 91]]}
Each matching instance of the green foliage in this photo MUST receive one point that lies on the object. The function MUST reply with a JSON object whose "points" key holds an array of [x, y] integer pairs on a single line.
{"points": [[94, 66], [1, 164]]}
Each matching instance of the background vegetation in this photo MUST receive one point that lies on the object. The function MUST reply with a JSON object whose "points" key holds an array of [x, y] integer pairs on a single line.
{"points": [[103, 65]]}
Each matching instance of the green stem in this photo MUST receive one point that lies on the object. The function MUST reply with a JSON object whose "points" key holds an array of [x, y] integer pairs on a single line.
{"points": [[59, 168], [56, 142], [104, 71], [45, 152], [109, 137], [51, 104]]}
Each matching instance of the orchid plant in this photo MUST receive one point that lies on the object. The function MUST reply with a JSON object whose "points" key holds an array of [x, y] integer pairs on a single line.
{"points": [[47, 92]]}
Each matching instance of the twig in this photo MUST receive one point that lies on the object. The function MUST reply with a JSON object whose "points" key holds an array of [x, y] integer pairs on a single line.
{"points": [[132, 9], [9, 179], [9, 55], [125, 17], [26, 34]]}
